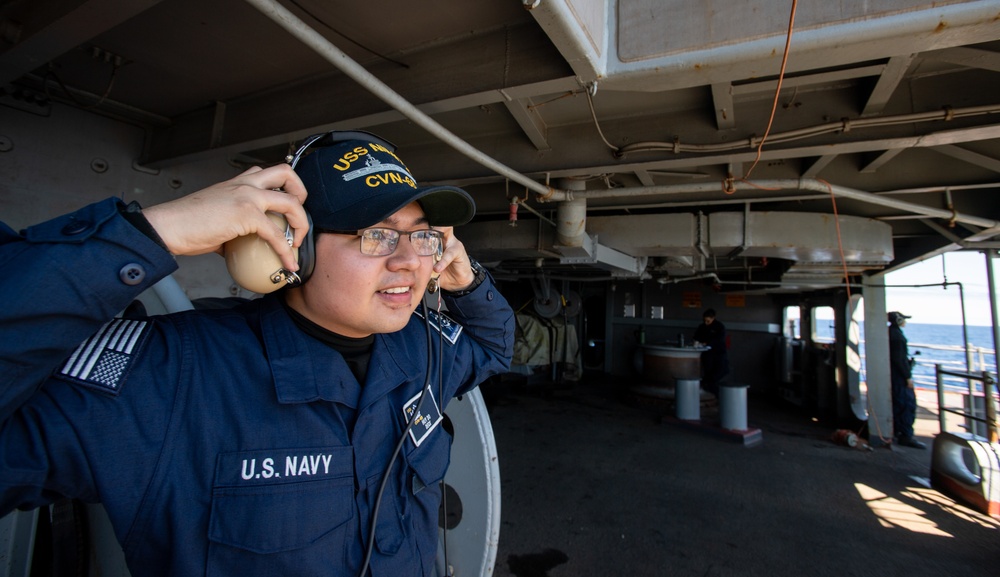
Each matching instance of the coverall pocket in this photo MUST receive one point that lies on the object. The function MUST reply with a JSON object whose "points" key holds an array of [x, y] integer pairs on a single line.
{"points": [[429, 461], [301, 513], [425, 466]]}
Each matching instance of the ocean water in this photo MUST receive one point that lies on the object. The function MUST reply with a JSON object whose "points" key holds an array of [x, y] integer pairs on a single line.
{"points": [[943, 344], [937, 344]]}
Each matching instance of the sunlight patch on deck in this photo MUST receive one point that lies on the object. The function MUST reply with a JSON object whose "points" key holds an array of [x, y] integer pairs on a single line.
{"points": [[949, 505], [892, 512]]}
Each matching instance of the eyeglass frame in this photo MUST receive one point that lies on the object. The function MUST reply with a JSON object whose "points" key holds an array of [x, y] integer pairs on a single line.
{"points": [[399, 234]]}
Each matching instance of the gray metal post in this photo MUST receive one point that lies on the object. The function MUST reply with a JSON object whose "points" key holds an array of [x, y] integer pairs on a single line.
{"points": [[988, 400], [993, 309], [880, 426], [942, 423]]}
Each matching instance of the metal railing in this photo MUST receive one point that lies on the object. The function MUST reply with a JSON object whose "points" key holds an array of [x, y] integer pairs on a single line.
{"points": [[973, 359], [969, 412]]}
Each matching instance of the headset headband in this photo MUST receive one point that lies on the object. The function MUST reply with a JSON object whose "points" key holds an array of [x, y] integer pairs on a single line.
{"points": [[333, 137]]}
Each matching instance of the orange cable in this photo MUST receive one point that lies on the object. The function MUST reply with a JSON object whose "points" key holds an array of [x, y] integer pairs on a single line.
{"points": [[847, 284], [777, 91], [840, 242]]}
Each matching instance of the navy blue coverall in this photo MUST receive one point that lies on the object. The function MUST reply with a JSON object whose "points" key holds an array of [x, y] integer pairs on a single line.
{"points": [[224, 442], [904, 398], [714, 361]]}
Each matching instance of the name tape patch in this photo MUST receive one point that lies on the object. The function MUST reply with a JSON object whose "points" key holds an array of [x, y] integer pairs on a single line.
{"points": [[426, 420], [277, 466], [443, 324], [103, 360]]}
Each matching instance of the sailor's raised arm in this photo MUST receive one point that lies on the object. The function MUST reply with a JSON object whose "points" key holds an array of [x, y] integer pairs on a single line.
{"points": [[68, 276]]}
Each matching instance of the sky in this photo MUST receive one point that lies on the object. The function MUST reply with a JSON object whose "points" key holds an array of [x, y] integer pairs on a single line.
{"points": [[936, 305]]}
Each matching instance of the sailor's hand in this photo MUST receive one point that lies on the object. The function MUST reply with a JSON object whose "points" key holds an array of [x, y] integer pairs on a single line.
{"points": [[203, 221], [455, 267]]}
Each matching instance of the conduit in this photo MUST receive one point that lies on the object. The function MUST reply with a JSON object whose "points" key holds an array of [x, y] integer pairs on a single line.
{"points": [[841, 126], [784, 184], [299, 29]]}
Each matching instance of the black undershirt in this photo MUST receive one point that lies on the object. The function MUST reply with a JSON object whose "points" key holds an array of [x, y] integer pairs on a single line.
{"points": [[356, 352]]}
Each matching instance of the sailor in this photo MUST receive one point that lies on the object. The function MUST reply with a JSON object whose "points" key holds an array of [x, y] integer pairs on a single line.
{"points": [[714, 361], [904, 398], [251, 440]]}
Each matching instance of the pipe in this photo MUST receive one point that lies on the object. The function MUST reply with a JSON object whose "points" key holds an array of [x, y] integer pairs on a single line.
{"points": [[571, 216], [533, 211], [842, 126], [340, 60], [299, 29], [663, 281], [783, 184]]}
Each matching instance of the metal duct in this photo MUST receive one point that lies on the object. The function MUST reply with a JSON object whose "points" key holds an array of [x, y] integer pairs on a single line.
{"points": [[571, 223]]}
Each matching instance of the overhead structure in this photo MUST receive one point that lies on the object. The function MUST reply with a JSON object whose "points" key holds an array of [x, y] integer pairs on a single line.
{"points": [[589, 107]]}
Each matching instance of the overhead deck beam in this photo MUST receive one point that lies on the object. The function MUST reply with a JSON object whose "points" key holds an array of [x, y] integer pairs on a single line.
{"points": [[818, 165], [80, 22], [971, 57], [888, 81], [880, 161], [166, 154], [980, 160], [829, 77], [725, 112], [266, 119], [530, 121]]}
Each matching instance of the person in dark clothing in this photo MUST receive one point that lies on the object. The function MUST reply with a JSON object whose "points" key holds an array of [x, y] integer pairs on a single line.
{"points": [[714, 361], [301, 433], [904, 399]]}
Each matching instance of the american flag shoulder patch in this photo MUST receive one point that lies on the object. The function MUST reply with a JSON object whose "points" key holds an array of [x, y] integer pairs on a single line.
{"points": [[103, 360]]}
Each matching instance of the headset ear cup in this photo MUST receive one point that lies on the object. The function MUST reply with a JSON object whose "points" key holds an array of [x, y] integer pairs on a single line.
{"points": [[307, 253]]}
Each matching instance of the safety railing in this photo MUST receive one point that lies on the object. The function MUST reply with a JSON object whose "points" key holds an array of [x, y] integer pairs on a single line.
{"points": [[970, 412], [971, 358], [926, 357]]}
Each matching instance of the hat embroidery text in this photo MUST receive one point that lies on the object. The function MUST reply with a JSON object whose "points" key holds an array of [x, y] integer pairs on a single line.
{"points": [[376, 172]]}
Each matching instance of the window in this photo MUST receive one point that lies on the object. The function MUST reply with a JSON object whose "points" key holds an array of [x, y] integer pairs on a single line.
{"points": [[823, 325], [791, 321]]}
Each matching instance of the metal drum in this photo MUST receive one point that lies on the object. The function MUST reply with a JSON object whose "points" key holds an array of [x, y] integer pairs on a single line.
{"points": [[663, 369], [663, 363]]}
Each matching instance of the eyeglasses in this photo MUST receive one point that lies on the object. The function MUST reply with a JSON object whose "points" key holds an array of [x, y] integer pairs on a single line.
{"points": [[383, 241]]}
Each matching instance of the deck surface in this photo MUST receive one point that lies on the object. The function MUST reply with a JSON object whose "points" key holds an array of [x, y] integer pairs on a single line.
{"points": [[593, 485]]}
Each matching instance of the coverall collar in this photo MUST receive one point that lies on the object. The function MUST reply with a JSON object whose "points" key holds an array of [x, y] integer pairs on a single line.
{"points": [[305, 370]]}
